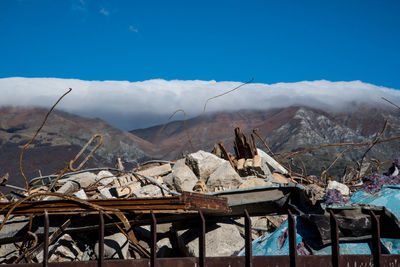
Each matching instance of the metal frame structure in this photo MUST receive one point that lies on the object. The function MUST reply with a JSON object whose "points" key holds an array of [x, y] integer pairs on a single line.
{"points": [[376, 259]]}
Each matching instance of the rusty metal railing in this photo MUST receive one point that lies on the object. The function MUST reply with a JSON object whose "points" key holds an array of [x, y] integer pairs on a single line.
{"points": [[335, 259]]}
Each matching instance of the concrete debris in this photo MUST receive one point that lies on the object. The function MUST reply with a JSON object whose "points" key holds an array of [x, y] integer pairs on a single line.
{"points": [[229, 185], [342, 188], [222, 240], [64, 250], [203, 163], [115, 247], [224, 176]]}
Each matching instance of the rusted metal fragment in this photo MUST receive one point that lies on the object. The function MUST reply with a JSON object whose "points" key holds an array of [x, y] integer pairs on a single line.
{"points": [[187, 202]]}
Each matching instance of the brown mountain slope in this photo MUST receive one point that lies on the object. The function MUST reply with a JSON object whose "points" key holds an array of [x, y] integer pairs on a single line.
{"points": [[59, 141], [285, 129]]}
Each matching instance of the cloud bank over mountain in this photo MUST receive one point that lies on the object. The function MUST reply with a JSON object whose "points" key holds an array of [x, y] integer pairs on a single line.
{"points": [[130, 105]]}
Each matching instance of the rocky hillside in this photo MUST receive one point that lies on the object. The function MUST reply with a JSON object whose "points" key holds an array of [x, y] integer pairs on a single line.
{"points": [[286, 129], [59, 141]]}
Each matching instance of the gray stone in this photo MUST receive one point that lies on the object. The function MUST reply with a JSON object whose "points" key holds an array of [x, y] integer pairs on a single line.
{"points": [[221, 240], [224, 176], [183, 177], [115, 247], [203, 163]]}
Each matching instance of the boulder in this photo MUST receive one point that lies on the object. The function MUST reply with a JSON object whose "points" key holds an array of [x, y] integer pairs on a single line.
{"points": [[224, 176], [342, 188], [115, 247], [81, 194], [203, 163], [221, 240], [183, 178]]}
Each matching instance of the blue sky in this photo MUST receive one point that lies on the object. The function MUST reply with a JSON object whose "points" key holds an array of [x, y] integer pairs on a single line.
{"points": [[272, 41]]}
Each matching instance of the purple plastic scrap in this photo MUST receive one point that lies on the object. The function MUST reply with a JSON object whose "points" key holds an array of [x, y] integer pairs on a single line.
{"points": [[333, 196]]}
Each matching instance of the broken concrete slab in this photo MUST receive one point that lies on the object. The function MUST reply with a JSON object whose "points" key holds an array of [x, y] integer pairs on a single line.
{"points": [[224, 176], [222, 240], [105, 177], [115, 247], [183, 178], [81, 194], [203, 163], [271, 162], [156, 171], [342, 188]]}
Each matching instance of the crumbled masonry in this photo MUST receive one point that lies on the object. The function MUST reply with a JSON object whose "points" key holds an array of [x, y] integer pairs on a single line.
{"points": [[219, 184]]}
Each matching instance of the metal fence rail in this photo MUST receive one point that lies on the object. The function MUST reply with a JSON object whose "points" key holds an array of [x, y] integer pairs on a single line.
{"points": [[376, 259]]}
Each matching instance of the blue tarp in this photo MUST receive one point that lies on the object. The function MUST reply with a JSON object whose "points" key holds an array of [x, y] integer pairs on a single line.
{"points": [[277, 243]]}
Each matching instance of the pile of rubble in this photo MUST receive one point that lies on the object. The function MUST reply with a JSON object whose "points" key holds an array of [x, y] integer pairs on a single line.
{"points": [[250, 180]]}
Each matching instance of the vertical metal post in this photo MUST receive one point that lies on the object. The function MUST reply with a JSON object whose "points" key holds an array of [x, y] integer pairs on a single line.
{"points": [[46, 239], [202, 240], [100, 259], [247, 236], [334, 239], [153, 240], [292, 239], [376, 240]]}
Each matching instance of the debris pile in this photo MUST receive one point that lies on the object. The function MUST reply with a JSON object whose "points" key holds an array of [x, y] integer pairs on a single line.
{"points": [[219, 184]]}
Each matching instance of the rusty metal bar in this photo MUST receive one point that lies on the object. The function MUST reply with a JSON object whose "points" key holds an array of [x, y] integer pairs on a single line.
{"points": [[100, 259], [46, 239], [376, 240], [187, 202], [247, 236], [202, 240], [153, 248], [292, 239], [334, 239]]}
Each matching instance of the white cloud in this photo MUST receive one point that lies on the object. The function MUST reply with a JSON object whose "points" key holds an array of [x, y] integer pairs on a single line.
{"points": [[104, 12], [133, 29], [159, 98]]}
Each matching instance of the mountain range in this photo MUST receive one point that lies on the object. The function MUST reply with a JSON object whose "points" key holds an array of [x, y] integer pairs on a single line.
{"points": [[284, 129]]}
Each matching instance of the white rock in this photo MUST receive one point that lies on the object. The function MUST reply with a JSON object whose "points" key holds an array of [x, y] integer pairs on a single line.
{"points": [[254, 182], [203, 163], [81, 194], [273, 163], [344, 190], [224, 176]]}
